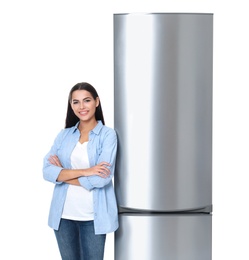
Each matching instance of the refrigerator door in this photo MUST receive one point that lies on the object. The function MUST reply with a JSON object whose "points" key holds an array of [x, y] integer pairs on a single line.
{"points": [[158, 237], [163, 111]]}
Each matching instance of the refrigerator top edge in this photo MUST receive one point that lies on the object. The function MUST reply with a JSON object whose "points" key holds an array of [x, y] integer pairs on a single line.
{"points": [[159, 13]]}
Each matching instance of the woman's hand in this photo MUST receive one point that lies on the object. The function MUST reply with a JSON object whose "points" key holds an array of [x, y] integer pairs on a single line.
{"points": [[100, 169], [53, 159]]}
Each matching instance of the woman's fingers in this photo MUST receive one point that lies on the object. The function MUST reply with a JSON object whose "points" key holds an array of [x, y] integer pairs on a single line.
{"points": [[103, 170], [53, 159]]}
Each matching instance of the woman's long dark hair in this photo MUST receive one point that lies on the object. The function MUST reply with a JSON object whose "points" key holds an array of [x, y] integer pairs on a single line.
{"points": [[71, 118]]}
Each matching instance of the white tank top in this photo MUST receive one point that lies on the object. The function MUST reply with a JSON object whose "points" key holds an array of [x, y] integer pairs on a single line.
{"points": [[79, 201]]}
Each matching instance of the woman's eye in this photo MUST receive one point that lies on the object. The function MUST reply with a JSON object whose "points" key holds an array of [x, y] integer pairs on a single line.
{"points": [[75, 102], [87, 100]]}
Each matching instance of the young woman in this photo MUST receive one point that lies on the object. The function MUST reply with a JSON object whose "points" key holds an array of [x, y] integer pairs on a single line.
{"points": [[81, 164]]}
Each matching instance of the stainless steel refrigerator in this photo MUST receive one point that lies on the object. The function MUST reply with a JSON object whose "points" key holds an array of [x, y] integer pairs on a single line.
{"points": [[163, 119]]}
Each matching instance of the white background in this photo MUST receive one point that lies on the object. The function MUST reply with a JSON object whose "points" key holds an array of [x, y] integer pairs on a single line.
{"points": [[48, 46]]}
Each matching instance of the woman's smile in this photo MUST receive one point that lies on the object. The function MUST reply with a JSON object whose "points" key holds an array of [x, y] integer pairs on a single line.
{"points": [[83, 113]]}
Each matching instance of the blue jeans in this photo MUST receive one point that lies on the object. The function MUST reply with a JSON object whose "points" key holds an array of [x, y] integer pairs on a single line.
{"points": [[77, 241]]}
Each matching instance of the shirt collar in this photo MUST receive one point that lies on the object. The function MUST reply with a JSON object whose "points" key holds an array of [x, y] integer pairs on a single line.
{"points": [[98, 127], [95, 130]]}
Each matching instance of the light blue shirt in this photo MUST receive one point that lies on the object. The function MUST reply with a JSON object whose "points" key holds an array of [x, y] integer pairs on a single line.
{"points": [[102, 146]]}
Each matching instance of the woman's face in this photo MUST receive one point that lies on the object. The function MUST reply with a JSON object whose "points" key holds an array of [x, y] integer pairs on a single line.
{"points": [[84, 105]]}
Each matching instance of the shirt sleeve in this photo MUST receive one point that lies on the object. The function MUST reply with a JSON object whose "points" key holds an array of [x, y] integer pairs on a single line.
{"points": [[50, 171], [108, 154]]}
